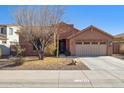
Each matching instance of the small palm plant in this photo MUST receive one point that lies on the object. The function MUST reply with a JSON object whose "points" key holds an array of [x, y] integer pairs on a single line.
{"points": [[19, 50]]}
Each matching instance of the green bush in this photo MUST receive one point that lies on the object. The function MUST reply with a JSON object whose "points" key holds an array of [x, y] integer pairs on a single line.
{"points": [[55, 52], [67, 53]]}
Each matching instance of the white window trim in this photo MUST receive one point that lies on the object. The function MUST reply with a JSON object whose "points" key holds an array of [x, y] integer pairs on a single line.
{"points": [[11, 31]]}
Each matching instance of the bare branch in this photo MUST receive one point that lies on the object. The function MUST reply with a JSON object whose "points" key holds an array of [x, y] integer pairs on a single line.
{"points": [[38, 24]]}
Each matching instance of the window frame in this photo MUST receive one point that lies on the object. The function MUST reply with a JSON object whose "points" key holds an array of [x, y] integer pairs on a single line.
{"points": [[78, 43], [86, 43], [95, 43], [2, 31], [10, 31], [102, 43]]}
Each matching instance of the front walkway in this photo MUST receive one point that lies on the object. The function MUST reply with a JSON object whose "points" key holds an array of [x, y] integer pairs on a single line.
{"points": [[61, 78]]}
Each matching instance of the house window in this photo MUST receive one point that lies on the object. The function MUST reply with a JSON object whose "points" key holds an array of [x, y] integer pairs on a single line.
{"points": [[3, 31], [86, 43], [10, 31], [4, 42], [79, 43], [94, 43], [102, 43]]}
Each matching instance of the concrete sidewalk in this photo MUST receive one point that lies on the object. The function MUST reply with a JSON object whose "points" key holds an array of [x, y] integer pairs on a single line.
{"points": [[61, 78]]}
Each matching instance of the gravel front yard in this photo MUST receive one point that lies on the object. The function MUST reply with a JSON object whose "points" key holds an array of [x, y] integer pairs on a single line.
{"points": [[49, 63]]}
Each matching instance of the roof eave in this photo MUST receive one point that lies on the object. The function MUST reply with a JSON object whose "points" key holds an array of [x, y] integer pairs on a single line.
{"points": [[88, 28]]}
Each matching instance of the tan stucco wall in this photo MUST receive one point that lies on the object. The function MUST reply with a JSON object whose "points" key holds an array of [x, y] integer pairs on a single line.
{"points": [[121, 48], [116, 47], [90, 35]]}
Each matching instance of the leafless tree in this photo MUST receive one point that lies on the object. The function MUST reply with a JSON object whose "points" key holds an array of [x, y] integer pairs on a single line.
{"points": [[39, 25]]}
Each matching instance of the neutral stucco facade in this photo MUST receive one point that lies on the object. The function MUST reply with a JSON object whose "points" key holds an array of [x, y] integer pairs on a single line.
{"points": [[118, 44], [90, 34], [10, 38]]}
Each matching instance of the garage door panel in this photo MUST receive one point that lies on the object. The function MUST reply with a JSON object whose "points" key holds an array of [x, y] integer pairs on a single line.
{"points": [[91, 50], [78, 50]]}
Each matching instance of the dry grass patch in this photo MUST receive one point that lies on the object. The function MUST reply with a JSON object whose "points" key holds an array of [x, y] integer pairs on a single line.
{"points": [[49, 63]]}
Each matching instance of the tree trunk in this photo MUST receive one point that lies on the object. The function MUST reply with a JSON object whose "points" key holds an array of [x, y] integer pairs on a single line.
{"points": [[40, 52], [41, 55]]}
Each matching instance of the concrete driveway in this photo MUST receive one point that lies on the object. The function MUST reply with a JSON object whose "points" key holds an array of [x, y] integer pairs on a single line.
{"points": [[103, 63], [106, 71]]}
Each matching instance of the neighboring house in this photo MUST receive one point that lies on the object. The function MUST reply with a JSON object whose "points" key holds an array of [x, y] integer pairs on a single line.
{"points": [[8, 37], [89, 42], [118, 44]]}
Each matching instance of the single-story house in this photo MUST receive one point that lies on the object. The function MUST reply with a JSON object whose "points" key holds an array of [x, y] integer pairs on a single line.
{"points": [[90, 41]]}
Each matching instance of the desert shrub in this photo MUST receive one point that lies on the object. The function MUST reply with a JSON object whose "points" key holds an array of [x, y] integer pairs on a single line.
{"points": [[16, 61], [19, 51], [49, 50]]}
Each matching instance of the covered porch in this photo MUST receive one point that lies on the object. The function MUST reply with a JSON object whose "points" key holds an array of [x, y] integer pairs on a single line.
{"points": [[63, 46]]}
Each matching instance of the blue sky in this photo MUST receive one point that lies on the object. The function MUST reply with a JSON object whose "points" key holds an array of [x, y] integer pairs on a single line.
{"points": [[107, 18]]}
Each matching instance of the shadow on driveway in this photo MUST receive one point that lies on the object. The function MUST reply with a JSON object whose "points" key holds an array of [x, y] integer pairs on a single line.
{"points": [[120, 56]]}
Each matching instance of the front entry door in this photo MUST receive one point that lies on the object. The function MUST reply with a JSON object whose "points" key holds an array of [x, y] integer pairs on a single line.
{"points": [[62, 46]]}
